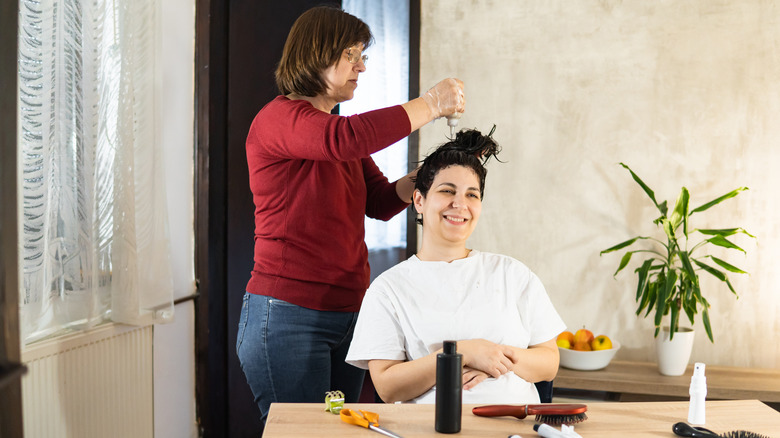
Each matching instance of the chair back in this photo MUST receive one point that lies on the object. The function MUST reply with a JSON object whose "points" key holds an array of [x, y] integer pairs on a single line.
{"points": [[545, 389]]}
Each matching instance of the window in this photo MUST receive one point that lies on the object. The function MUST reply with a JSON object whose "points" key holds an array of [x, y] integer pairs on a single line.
{"points": [[384, 83], [94, 227]]}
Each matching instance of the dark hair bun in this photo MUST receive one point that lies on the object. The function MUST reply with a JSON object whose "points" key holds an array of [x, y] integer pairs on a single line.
{"points": [[473, 142]]}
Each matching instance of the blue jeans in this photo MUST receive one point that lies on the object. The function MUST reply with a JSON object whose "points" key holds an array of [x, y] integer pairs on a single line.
{"points": [[293, 354]]}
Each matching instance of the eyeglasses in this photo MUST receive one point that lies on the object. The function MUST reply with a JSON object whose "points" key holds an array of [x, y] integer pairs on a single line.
{"points": [[354, 55]]}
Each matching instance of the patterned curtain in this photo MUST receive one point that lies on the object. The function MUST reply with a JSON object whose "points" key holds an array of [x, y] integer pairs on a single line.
{"points": [[94, 237]]}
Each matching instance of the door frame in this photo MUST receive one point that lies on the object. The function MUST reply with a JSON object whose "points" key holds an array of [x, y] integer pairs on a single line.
{"points": [[228, 87]]}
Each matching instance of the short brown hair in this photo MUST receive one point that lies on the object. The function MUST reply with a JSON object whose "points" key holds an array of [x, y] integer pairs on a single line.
{"points": [[316, 41]]}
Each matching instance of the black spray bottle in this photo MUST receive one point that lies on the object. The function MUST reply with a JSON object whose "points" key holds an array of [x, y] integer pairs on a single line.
{"points": [[449, 388]]}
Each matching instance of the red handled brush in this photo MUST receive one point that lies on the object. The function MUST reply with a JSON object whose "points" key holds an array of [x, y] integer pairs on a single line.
{"points": [[549, 413]]}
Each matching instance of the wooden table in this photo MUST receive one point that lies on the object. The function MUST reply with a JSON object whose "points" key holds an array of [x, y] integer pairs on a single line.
{"points": [[605, 420], [643, 378]]}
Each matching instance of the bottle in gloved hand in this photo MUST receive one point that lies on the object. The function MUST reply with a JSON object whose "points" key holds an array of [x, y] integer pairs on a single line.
{"points": [[449, 388], [445, 99]]}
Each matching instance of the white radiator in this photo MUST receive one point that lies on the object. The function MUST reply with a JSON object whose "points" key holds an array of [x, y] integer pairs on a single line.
{"points": [[97, 383]]}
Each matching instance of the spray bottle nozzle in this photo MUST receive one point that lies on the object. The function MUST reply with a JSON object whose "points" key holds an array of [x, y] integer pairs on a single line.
{"points": [[698, 392]]}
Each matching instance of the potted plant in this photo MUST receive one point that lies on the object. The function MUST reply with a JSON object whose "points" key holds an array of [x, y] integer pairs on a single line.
{"points": [[668, 279]]}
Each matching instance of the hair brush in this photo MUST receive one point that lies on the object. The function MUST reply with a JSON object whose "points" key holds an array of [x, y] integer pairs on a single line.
{"points": [[684, 429], [549, 413]]}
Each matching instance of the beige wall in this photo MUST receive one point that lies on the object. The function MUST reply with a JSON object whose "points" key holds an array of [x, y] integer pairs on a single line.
{"points": [[686, 93]]}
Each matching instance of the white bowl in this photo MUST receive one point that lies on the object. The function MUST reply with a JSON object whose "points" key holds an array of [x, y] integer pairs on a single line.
{"points": [[587, 360]]}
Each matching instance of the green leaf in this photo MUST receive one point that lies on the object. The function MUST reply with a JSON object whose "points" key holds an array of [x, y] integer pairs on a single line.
{"points": [[668, 228], [644, 299], [725, 232], [623, 262], [644, 186], [642, 277], [714, 272], [727, 266], [687, 291], [697, 295], [689, 306], [663, 294], [696, 292], [705, 317], [689, 271], [650, 297], [622, 245], [717, 201], [673, 320], [722, 241], [680, 212], [663, 208], [731, 288], [717, 274]]}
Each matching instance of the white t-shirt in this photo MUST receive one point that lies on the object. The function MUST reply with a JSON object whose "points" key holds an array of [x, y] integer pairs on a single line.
{"points": [[413, 307]]}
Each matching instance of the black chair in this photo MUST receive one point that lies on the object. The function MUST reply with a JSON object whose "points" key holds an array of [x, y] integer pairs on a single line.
{"points": [[545, 389]]}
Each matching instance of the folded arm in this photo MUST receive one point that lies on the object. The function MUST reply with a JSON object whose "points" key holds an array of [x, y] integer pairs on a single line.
{"points": [[537, 362], [397, 380]]}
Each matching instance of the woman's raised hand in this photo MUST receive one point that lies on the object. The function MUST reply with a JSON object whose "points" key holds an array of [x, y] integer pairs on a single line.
{"points": [[483, 355], [445, 98]]}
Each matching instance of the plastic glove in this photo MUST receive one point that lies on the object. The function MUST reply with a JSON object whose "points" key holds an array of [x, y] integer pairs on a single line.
{"points": [[445, 98]]}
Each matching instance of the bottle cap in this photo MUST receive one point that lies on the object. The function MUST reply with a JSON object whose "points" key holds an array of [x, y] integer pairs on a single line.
{"points": [[450, 347]]}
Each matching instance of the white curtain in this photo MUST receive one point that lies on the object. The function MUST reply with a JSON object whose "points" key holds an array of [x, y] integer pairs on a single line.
{"points": [[94, 237], [384, 83]]}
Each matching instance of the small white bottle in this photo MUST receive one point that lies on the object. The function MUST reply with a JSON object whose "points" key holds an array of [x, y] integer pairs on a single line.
{"points": [[698, 392], [452, 122]]}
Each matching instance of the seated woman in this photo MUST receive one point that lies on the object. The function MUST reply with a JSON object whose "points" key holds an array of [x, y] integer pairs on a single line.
{"points": [[492, 304]]}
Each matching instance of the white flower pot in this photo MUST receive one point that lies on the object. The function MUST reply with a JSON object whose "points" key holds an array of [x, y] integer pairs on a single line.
{"points": [[674, 355]]}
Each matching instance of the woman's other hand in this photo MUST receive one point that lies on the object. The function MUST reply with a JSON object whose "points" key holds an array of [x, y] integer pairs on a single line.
{"points": [[489, 357], [445, 98], [472, 377]]}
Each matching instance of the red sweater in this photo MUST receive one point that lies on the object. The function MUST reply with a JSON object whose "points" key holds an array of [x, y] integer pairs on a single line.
{"points": [[313, 181]]}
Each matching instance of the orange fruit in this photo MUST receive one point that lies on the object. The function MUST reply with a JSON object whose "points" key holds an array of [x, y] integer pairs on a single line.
{"points": [[583, 335], [582, 346], [566, 335]]}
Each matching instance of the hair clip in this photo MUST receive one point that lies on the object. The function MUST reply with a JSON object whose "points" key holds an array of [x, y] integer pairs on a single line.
{"points": [[334, 401]]}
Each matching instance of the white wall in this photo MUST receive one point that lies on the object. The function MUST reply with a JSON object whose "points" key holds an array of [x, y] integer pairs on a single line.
{"points": [[174, 343], [686, 93]]}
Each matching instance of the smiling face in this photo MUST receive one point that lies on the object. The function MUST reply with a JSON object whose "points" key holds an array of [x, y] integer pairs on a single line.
{"points": [[451, 208], [341, 78]]}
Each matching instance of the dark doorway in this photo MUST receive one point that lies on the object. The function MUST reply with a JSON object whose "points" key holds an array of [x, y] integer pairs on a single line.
{"points": [[238, 43]]}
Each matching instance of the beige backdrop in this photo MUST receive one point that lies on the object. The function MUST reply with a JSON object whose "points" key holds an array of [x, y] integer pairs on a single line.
{"points": [[686, 93]]}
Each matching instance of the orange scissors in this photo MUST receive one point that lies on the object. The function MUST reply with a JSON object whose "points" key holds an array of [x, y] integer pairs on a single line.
{"points": [[369, 420]]}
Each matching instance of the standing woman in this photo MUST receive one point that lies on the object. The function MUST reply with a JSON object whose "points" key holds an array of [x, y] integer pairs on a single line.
{"points": [[313, 181]]}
